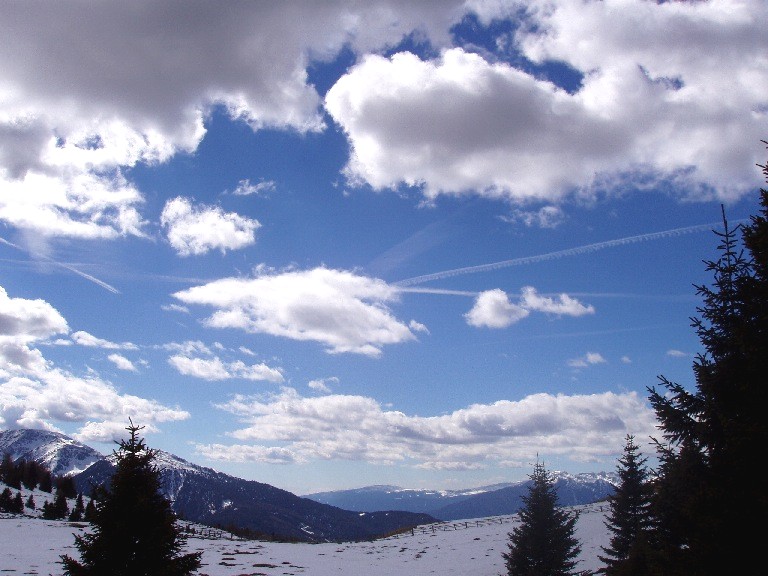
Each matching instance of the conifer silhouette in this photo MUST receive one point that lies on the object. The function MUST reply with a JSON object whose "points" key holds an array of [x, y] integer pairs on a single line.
{"points": [[133, 527]]}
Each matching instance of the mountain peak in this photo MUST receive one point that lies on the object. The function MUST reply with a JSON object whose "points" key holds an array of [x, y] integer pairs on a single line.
{"points": [[62, 455]]}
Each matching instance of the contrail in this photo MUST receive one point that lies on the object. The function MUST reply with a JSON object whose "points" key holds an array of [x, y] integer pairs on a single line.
{"points": [[560, 253], [88, 277]]}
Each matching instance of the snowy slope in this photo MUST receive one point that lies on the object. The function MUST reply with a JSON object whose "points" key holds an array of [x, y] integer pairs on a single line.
{"points": [[451, 550], [59, 453]]}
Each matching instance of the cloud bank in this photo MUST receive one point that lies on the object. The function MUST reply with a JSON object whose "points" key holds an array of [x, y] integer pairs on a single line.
{"points": [[287, 427], [341, 310]]}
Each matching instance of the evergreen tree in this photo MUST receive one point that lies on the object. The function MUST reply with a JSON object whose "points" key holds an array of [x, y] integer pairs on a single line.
{"points": [[543, 544], [708, 497], [58, 510], [629, 518], [6, 468], [17, 505], [6, 500], [79, 510], [46, 481], [30, 476], [66, 485], [134, 531], [31, 502], [90, 511], [9, 472]]}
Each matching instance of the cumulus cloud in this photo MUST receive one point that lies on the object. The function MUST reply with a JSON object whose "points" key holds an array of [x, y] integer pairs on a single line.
{"points": [[23, 320], [461, 124], [343, 311], [344, 427], [589, 359], [195, 230], [34, 393], [214, 368], [43, 395], [494, 309], [122, 362], [71, 121]]}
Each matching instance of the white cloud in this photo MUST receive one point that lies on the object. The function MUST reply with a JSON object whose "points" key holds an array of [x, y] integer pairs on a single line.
{"points": [[564, 305], [340, 427], [246, 453], [589, 359], [493, 308], [72, 119], [461, 124], [34, 393], [246, 188], [677, 354], [85, 339], [339, 309], [321, 385], [122, 362], [214, 368], [626, 360], [23, 320], [195, 230], [41, 395], [544, 217]]}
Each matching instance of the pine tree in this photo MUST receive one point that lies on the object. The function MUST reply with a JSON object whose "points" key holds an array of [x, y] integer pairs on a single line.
{"points": [[629, 518], [17, 505], [79, 510], [134, 530], [90, 511], [31, 502], [57, 510], [543, 544], [6, 500], [46, 481], [708, 497]]}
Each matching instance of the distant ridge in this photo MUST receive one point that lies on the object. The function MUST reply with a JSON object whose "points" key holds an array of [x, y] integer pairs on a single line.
{"points": [[209, 497], [497, 499]]}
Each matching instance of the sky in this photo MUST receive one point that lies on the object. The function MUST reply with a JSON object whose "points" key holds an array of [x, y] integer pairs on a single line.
{"points": [[334, 244]]}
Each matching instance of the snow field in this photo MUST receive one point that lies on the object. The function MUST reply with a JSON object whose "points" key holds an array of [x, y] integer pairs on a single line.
{"points": [[33, 546]]}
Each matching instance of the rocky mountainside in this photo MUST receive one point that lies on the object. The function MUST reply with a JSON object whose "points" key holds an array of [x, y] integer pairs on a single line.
{"points": [[204, 495], [498, 499], [62, 455]]}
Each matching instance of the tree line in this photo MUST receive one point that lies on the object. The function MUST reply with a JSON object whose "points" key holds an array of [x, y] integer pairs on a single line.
{"points": [[35, 476], [703, 509]]}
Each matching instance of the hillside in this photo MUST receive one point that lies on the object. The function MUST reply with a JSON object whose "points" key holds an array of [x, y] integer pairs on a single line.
{"points": [[447, 551], [204, 495]]}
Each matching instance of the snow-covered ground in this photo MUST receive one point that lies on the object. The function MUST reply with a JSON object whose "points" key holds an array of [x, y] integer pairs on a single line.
{"points": [[33, 546]]}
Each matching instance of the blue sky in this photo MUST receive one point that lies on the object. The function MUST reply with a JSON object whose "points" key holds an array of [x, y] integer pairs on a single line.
{"points": [[337, 244]]}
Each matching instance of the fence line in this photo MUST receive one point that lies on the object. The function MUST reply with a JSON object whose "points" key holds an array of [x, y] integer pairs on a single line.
{"points": [[476, 523]]}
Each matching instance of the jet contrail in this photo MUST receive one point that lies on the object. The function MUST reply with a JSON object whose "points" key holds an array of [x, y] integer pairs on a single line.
{"points": [[560, 253], [88, 277]]}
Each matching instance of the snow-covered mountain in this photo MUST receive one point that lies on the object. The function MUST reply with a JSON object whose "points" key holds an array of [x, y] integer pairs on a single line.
{"points": [[204, 495], [572, 489], [62, 455]]}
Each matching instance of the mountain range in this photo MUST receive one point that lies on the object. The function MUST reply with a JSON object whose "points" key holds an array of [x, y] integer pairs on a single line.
{"points": [[493, 500], [204, 495]]}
